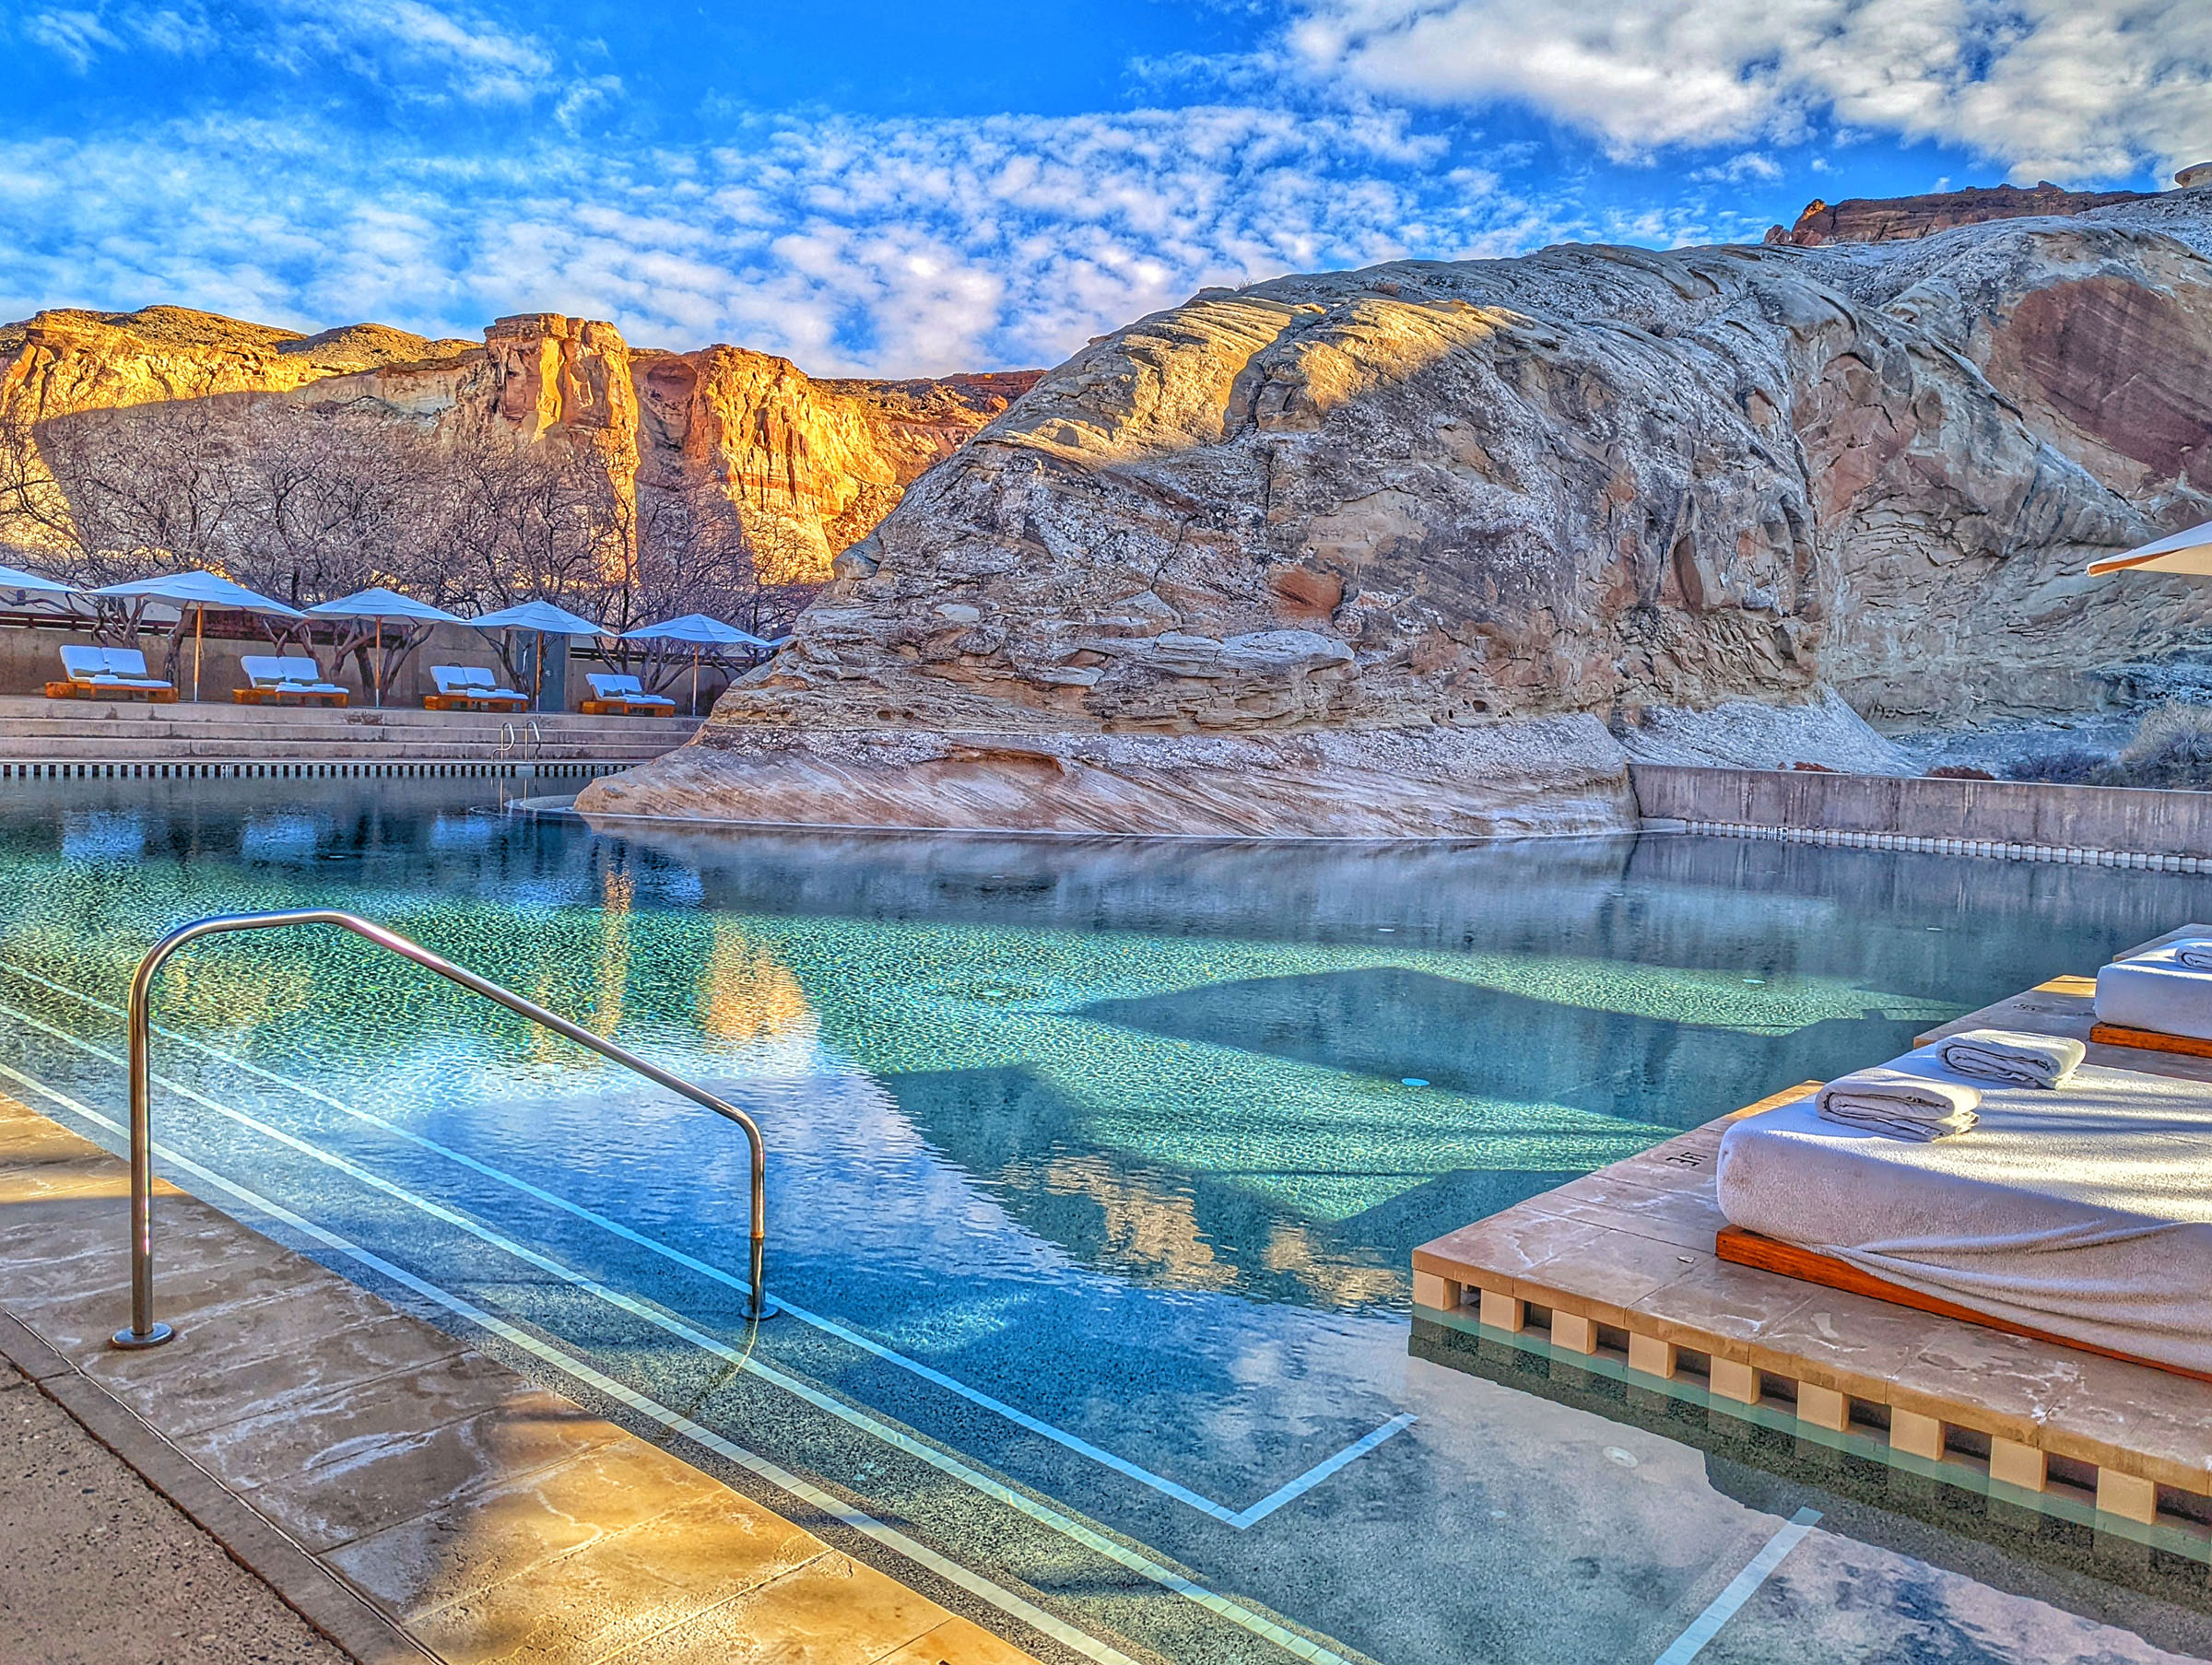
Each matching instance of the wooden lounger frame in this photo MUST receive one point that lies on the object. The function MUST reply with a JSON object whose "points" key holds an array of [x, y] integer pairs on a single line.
{"points": [[465, 702], [85, 690], [618, 707], [334, 697], [2149, 1040], [1768, 1254]]}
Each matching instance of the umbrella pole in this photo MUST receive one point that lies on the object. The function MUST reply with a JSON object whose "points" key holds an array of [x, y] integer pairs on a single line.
{"points": [[376, 665], [199, 626], [538, 672], [695, 681]]}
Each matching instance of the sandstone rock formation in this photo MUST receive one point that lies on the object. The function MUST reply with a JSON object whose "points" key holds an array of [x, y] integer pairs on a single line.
{"points": [[1439, 496], [1895, 218], [1559, 775], [809, 466]]}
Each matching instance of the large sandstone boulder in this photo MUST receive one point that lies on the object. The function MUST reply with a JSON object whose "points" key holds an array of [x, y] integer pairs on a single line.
{"points": [[1433, 497]]}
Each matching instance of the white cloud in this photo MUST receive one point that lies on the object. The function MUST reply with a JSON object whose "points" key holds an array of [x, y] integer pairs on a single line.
{"points": [[2072, 90], [853, 246], [407, 47], [77, 38]]}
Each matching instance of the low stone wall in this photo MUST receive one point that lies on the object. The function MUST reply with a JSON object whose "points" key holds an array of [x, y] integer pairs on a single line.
{"points": [[2022, 819]]}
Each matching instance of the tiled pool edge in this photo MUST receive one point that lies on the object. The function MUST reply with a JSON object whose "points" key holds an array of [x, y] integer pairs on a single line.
{"points": [[224, 1278]]}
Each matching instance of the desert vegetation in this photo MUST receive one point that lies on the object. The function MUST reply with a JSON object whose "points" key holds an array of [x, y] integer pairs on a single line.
{"points": [[308, 503]]}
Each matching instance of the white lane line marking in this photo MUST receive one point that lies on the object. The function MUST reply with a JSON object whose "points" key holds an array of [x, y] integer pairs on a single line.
{"points": [[1004, 1600], [1707, 1625], [1319, 1472], [944, 1462], [1241, 1520]]}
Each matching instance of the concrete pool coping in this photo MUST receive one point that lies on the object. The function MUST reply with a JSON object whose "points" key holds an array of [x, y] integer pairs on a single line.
{"points": [[408, 1496], [1618, 1266]]}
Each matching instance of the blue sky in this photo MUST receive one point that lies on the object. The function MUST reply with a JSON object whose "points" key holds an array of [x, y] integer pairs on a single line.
{"points": [[894, 189]]}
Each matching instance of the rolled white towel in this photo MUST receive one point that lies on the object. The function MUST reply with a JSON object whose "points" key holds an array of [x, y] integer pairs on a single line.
{"points": [[2010, 1057], [2194, 953], [1899, 1106]]}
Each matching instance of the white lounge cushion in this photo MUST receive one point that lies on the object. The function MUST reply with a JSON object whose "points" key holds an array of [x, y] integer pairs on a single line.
{"points": [[109, 668], [2155, 990], [473, 680], [2084, 1211], [608, 686]]}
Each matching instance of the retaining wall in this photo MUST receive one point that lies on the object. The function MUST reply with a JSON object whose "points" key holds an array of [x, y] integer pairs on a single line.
{"points": [[1972, 817]]}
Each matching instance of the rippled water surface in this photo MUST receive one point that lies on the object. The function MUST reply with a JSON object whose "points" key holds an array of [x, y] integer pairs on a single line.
{"points": [[1093, 1171]]}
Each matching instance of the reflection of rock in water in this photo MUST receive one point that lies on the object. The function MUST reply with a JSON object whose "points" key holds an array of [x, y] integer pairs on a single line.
{"points": [[747, 994], [1465, 1038], [1753, 907], [1027, 1144]]}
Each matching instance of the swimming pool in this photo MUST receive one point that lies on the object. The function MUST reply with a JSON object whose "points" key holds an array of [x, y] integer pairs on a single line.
{"points": [[1093, 1169]]}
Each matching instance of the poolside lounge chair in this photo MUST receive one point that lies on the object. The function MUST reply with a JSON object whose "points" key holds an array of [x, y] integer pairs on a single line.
{"points": [[469, 688], [109, 673], [2075, 1213], [272, 681], [624, 696]]}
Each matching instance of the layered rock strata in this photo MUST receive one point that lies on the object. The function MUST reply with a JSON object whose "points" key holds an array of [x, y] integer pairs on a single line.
{"points": [[807, 466], [1558, 775], [1896, 218], [1431, 497]]}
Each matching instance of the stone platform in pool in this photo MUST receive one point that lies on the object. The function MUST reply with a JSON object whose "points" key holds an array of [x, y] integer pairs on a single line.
{"points": [[1617, 1273]]}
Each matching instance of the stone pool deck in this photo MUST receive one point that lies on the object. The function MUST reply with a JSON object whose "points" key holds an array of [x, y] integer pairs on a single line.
{"points": [[1618, 1268], [409, 1496]]}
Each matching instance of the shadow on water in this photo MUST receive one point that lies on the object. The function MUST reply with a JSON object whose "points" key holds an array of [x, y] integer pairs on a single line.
{"points": [[1029, 1145], [1465, 1038]]}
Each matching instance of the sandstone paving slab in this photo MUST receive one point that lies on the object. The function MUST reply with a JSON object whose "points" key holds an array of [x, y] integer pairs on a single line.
{"points": [[416, 1473], [811, 1616], [631, 1585], [956, 1642], [377, 1452], [518, 1524], [275, 1373]]}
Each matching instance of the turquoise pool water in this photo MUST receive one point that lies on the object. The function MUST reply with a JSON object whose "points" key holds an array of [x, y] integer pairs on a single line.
{"points": [[1093, 1170]]}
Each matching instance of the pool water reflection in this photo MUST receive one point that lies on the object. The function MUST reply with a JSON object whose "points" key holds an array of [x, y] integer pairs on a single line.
{"points": [[1093, 1170]]}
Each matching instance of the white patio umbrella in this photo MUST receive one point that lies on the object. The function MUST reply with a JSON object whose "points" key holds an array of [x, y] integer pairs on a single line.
{"points": [[380, 605], [2189, 551], [546, 619], [21, 583], [701, 632], [199, 591]]}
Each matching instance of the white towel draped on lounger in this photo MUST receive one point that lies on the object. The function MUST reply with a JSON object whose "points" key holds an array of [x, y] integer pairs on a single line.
{"points": [[2010, 1057], [2194, 953], [1899, 1106]]}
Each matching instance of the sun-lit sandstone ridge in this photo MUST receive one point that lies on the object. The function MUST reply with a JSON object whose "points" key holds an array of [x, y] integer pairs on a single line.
{"points": [[811, 464], [1415, 548]]}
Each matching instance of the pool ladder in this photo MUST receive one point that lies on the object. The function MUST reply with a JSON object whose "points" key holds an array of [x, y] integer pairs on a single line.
{"points": [[145, 1331], [530, 742]]}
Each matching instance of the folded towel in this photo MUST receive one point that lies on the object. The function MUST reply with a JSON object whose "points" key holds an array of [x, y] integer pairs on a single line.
{"points": [[2010, 1057], [1899, 1106], [2194, 953]]}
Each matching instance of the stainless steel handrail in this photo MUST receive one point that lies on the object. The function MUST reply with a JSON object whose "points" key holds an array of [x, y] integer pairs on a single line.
{"points": [[143, 1331]]}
